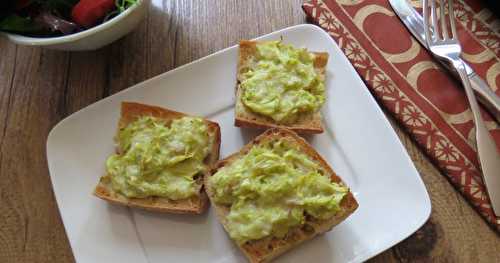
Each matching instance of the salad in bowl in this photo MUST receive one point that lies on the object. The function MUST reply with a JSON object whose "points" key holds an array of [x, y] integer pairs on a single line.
{"points": [[69, 24]]}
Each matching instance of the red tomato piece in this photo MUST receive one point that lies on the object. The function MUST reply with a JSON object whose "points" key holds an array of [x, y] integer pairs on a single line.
{"points": [[87, 13]]}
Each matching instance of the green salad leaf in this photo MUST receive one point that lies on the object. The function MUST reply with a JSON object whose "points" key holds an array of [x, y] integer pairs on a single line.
{"points": [[122, 5]]}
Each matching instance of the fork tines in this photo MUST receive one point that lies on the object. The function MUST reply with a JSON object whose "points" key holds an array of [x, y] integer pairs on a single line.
{"points": [[445, 19]]}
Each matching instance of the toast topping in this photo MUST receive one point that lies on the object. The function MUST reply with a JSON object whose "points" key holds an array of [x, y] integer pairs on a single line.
{"points": [[157, 159], [281, 82], [271, 188]]}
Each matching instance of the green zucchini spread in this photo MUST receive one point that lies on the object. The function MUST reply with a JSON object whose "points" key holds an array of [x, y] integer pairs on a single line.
{"points": [[270, 189], [282, 83], [157, 159]]}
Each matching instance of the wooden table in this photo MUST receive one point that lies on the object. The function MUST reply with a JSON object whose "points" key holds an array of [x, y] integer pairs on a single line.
{"points": [[38, 88]]}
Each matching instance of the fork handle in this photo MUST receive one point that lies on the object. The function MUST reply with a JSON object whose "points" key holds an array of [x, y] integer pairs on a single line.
{"points": [[459, 65], [489, 157]]}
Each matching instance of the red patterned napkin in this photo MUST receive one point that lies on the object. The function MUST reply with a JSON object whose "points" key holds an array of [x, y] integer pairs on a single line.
{"points": [[411, 85]]}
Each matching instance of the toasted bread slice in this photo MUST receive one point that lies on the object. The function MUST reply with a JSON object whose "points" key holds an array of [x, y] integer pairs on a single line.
{"points": [[195, 205], [244, 117], [264, 250]]}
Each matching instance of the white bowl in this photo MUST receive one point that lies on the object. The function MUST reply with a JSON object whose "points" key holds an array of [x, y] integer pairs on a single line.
{"points": [[92, 38]]}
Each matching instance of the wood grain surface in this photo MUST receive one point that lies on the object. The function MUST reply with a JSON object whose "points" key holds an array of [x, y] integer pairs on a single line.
{"points": [[39, 87]]}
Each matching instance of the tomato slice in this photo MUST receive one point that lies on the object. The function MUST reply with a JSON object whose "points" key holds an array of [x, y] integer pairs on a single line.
{"points": [[87, 13]]}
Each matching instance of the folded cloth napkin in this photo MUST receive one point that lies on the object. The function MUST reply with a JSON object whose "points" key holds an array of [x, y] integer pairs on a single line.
{"points": [[406, 80]]}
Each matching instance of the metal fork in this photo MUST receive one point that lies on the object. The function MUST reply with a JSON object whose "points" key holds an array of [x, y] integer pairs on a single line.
{"points": [[448, 49]]}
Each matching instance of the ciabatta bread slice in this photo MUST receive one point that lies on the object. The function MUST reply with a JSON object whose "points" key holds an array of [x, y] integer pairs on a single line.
{"points": [[244, 117], [263, 250], [195, 205]]}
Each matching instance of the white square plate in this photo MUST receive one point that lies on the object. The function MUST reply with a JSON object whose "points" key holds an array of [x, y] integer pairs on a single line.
{"points": [[359, 143]]}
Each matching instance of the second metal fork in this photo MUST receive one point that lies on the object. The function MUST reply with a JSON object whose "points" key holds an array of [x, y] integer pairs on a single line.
{"points": [[447, 48]]}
